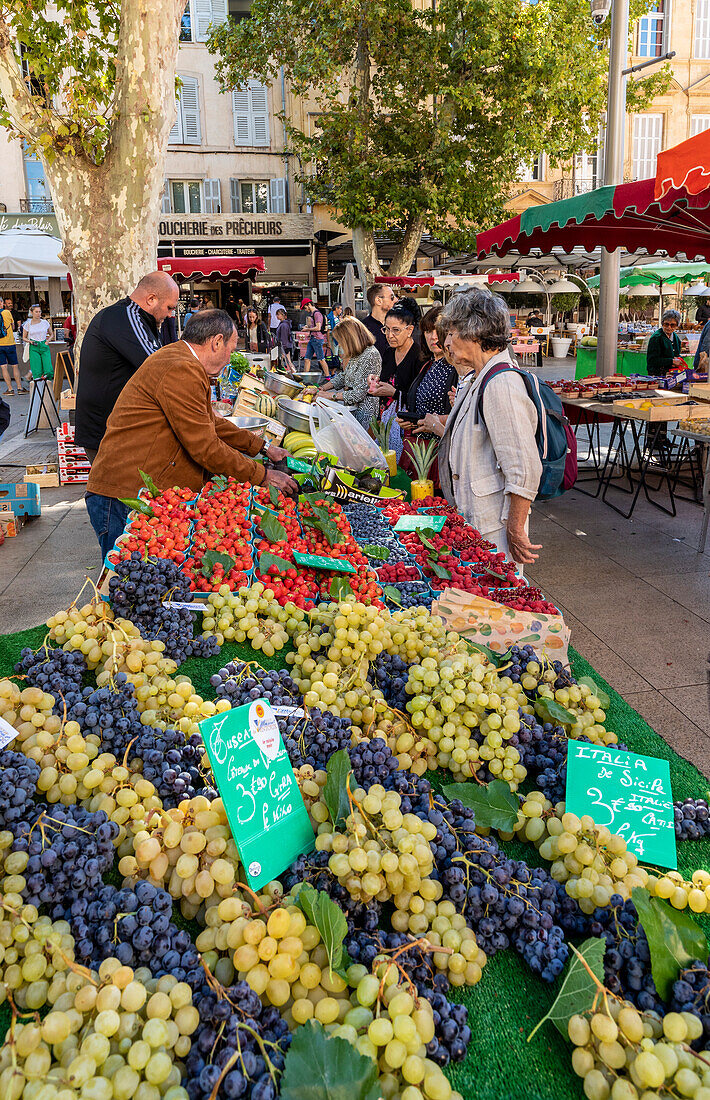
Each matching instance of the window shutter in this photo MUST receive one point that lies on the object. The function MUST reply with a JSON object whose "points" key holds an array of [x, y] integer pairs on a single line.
{"points": [[213, 198], [165, 200], [698, 124], [190, 104], [175, 136], [202, 10], [234, 196], [648, 135], [701, 46], [219, 12], [259, 103], [277, 196], [240, 110]]}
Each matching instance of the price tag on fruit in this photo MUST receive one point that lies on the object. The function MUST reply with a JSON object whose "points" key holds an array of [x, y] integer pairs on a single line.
{"points": [[298, 465], [417, 523], [8, 733], [318, 561], [629, 793], [254, 777]]}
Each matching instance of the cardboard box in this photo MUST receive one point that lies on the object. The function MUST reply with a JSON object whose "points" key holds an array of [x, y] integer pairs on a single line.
{"points": [[9, 525], [25, 499]]}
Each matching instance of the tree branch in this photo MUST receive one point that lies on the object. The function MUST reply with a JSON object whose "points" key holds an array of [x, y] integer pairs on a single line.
{"points": [[408, 246], [27, 118]]}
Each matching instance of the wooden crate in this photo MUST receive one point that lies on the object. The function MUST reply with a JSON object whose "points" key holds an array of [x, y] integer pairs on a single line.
{"points": [[672, 407], [699, 390], [47, 481], [67, 400]]}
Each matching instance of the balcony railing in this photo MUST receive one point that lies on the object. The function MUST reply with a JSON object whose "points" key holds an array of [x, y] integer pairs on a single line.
{"points": [[36, 206], [566, 188]]}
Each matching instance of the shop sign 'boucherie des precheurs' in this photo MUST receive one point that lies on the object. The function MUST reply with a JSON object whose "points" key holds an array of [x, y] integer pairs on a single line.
{"points": [[267, 226]]}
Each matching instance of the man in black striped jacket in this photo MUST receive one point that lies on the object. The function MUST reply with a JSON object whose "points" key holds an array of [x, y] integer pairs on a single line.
{"points": [[116, 343]]}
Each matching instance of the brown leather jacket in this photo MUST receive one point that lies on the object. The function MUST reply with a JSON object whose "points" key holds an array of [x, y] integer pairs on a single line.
{"points": [[163, 423]]}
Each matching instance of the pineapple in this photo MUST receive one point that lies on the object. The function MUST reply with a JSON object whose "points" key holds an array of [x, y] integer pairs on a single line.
{"points": [[423, 455], [381, 435]]}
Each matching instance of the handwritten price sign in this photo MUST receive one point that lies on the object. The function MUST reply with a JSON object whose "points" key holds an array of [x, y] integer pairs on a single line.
{"points": [[255, 780], [629, 793]]}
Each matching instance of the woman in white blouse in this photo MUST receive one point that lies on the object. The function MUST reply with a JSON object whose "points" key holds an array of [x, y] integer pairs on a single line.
{"points": [[35, 332], [489, 466]]}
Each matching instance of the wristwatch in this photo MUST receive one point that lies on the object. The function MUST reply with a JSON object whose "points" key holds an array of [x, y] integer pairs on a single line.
{"points": [[265, 448]]}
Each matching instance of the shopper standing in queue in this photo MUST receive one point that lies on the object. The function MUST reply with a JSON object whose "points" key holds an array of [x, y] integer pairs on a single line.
{"points": [[380, 299], [117, 341]]}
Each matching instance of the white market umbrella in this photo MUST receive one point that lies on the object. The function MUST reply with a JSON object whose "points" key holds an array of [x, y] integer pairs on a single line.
{"points": [[30, 252], [699, 290], [348, 298]]}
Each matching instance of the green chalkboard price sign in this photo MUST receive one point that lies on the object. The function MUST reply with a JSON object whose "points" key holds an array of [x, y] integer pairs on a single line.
{"points": [[416, 523], [319, 561], [629, 793], [254, 777]]}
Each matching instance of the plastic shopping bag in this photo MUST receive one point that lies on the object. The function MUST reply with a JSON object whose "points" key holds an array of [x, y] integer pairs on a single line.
{"points": [[26, 352], [336, 431]]}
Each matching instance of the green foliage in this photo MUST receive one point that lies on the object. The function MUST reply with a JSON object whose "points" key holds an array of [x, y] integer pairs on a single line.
{"points": [[579, 988], [565, 303], [426, 114]]}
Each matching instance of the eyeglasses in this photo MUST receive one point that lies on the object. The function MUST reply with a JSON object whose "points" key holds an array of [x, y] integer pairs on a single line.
{"points": [[392, 331]]}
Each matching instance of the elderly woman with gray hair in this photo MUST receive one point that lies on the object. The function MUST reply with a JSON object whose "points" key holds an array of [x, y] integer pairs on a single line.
{"points": [[489, 465], [663, 351]]}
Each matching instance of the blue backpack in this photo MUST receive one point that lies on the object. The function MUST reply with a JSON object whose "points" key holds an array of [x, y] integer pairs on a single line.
{"points": [[556, 442], [3, 330]]}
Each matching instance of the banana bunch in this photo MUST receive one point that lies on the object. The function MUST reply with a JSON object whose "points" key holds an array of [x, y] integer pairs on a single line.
{"points": [[299, 444]]}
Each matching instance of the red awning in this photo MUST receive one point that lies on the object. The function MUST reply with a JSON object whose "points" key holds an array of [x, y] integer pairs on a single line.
{"points": [[626, 216], [406, 282], [503, 277], [211, 267], [686, 165]]}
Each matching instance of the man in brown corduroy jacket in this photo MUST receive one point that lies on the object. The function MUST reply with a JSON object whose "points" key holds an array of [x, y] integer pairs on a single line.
{"points": [[163, 423]]}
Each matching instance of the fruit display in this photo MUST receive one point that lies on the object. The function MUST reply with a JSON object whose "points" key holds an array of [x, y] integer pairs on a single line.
{"points": [[135, 959]]}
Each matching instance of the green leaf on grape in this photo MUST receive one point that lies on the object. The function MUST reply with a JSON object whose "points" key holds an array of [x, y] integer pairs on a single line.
{"points": [[381, 553], [494, 805], [266, 559], [552, 711], [579, 988], [323, 1067], [274, 495], [393, 594], [340, 588], [137, 506], [674, 939], [210, 558], [335, 791], [327, 916], [269, 524], [601, 695], [498, 660], [439, 571], [149, 484]]}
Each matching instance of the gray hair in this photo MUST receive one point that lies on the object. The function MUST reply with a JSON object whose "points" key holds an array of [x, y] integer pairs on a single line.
{"points": [[670, 315], [207, 324], [478, 315]]}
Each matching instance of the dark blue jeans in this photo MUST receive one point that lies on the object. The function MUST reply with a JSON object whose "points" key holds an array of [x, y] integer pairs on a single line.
{"points": [[108, 518]]}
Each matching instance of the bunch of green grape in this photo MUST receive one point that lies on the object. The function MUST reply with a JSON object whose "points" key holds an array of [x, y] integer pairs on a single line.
{"points": [[28, 710], [381, 852], [110, 1036], [93, 630], [440, 925], [539, 679], [622, 1054], [33, 951], [251, 614], [124, 795], [693, 893], [390, 1024], [452, 697], [592, 863]]}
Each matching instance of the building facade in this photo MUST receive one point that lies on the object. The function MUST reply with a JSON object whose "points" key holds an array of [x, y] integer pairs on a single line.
{"points": [[681, 112]]}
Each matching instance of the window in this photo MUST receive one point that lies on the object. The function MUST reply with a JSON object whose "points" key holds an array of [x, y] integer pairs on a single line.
{"points": [[698, 124], [185, 196], [531, 169], [701, 44], [187, 129], [249, 196], [39, 199], [650, 32], [648, 136], [250, 107], [213, 197], [199, 16]]}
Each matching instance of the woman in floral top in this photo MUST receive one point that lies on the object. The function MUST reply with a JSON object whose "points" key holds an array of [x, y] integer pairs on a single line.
{"points": [[428, 396], [361, 360]]}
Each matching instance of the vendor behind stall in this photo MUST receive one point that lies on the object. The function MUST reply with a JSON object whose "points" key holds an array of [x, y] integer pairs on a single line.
{"points": [[163, 424], [663, 351]]}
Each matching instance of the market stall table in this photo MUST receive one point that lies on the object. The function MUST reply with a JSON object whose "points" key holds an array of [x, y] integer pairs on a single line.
{"points": [[703, 439]]}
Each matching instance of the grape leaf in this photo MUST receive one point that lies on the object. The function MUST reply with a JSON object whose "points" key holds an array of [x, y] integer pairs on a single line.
{"points": [[495, 805], [674, 939], [138, 506], [273, 530], [327, 916], [210, 558], [381, 553], [340, 588], [274, 495], [393, 594], [578, 989], [323, 1067], [498, 660], [439, 571], [602, 696], [266, 559], [552, 711], [335, 791], [149, 484]]}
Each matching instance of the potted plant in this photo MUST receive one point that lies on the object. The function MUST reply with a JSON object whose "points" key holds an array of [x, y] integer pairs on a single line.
{"points": [[381, 435], [423, 455]]}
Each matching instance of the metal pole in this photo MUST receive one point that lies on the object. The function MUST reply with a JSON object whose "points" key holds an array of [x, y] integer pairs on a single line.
{"points": [[613, 174]]}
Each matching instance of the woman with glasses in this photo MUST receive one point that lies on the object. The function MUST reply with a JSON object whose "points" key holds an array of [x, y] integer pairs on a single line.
{"points": [[663, 351], [402, 360]]}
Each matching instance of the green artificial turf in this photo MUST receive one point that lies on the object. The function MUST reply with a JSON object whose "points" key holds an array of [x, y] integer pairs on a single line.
{"points": [[509, 1000]]}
